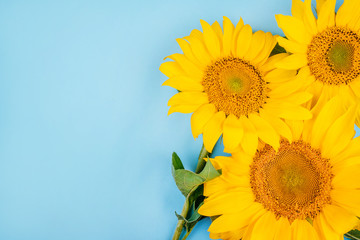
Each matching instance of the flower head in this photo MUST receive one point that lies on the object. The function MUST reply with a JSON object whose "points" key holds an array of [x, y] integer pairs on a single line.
{"points": [[308, 189], [325, 50], [230, 84]]}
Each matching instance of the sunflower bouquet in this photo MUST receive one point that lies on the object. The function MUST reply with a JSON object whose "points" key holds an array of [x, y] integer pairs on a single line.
{"points": [[285, 109]]}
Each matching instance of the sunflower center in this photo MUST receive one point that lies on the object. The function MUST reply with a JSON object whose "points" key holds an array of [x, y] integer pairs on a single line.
{"points": [[294, 182], [234, 86], [334, 56]]}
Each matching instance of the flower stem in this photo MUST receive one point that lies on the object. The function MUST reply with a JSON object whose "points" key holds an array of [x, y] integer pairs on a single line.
{"points": [[180, 225], [201, 162]]}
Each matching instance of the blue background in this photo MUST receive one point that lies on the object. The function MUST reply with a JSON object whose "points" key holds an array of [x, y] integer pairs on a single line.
{"points": [[85, 140]]}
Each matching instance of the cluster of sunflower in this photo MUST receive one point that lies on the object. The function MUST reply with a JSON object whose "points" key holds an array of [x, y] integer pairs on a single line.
{"points": [[287, 119]]}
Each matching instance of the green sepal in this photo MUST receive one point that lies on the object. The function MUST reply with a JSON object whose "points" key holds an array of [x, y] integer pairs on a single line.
{"points": [[186, 180], [209, 172], [277, 49], [176, 163], [353, 234]]}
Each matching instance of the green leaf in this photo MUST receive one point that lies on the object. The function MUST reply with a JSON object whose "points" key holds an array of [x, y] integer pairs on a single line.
{"points": [[209, 172], [353, 234], [186, 180], [195, 216], [195, 194], [176, 164], [277, 49]]}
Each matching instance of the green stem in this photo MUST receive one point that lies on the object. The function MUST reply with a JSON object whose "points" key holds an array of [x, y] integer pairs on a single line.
{"points": [[201, 162], [185, 210], [351, 236], [180, 224]]}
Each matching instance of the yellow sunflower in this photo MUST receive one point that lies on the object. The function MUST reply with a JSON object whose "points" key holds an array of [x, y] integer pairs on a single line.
{"points": [[229, 83], [308, 189], [326, 49]]}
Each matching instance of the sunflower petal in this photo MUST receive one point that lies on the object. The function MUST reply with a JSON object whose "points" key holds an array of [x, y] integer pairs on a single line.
{"points": [[249, 141], [339, 219], [211, 40], [213, 130], [291, 46], [244, 41], [326, 16], [293, 62], [264, 228], [339, 134], [256, 46], [228, 35], [233, 132], [265, 131], [183, 83], [188, 98], [277, 124], [293, 28], [200, 117], [297, 9]]}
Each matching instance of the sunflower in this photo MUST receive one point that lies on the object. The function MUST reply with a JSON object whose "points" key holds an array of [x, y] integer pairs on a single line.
{"points": [[325, 50], [229, 83], [308, 189]]}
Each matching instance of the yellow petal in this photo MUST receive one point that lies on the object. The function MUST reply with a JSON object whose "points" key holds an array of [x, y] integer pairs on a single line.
{"points": [[270, 63], [277, 124], [264, 228], [183, 108], [293, 28], [282, 229], [226, 203], [296, 128], [326, 17], [188, 98], [302, 229], [185, 47], [171, 69], [283, 90], [265, 131], [243, 41], [280, 76], [213, 130], [262, 57], [289, 111], [200, 118], [183, 83], [233, 132], [339, 219], [293, 62], [329, 113], [352, 150], [297, 9], [319, 4], [292, 46], [249, 142], [339, 134], [189, 67], [228, 222], [309, 19], [296, 98], [211, 40], [324, 229], [346, 12], [348, 199], [238, 27], [347, 177], [256, 45], [228, 35], [199, 50], [218, 31]]}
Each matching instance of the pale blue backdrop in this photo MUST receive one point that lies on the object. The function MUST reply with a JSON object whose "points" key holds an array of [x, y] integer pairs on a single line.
{"points": [[85, 140]]}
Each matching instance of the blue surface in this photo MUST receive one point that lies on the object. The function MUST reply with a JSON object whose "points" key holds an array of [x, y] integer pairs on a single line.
{"points": [[85, 140]]}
